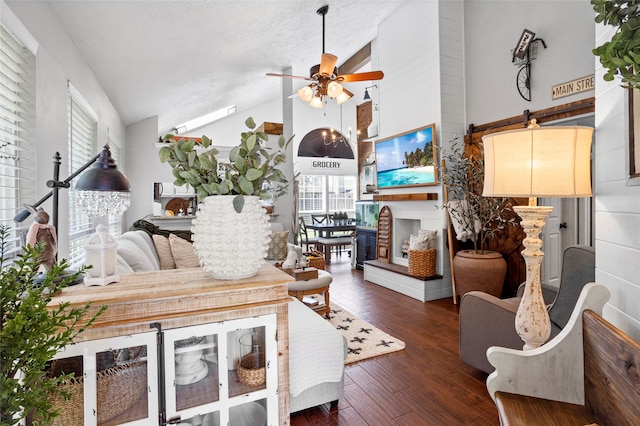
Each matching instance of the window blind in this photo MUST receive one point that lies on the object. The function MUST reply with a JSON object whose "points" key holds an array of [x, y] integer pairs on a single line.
{"points": [[17, 147], [83, 136], [115, 221]]}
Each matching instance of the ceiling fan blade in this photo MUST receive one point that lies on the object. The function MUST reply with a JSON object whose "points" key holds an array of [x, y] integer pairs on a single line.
{"points": [[362, 76], [270, 74], [327, 64]]}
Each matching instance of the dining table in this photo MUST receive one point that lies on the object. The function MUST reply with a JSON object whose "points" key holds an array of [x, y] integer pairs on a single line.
{"points": [[325, 230], [326, 239]]}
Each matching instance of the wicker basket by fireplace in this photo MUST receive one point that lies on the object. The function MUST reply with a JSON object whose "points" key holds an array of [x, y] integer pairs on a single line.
{"points": [[422, 263]]}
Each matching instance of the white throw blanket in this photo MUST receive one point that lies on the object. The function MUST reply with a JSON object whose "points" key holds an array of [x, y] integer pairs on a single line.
{"points": [[460, 222], [316, 349]]}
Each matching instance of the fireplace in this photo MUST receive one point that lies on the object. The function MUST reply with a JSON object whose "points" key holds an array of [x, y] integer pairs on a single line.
{"points": [[408, 217]]}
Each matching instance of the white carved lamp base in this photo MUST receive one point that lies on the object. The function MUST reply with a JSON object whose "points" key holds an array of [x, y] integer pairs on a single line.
{"points": [[532, 318]]}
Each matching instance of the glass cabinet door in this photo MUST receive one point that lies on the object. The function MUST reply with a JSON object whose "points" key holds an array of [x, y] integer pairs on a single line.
{"points": [[115, 381], [223, 373]]}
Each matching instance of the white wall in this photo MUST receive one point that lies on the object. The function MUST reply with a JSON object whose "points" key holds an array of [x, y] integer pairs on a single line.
{"points": [[492, 29], [617, 203], [58, 61]]}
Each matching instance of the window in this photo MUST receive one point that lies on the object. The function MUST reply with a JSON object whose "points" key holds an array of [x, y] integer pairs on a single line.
{"points": [[17, 148], [326, 194], [83, 136], [311, 195], [115, 221], [342, 194]]}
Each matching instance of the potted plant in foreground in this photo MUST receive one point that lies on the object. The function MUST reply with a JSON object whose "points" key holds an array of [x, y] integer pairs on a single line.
{"points": [[231, 229], [31, 333], [477, 219]]}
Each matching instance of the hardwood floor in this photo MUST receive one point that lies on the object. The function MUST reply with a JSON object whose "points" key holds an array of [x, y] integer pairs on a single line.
{"points": [[425, 384]]}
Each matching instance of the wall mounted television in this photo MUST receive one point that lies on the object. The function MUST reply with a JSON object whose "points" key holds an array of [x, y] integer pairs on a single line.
{"points": [[407, 159]]}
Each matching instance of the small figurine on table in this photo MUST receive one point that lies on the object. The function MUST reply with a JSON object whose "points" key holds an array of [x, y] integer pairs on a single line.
{"points": [[304, 262], [42, 232]]}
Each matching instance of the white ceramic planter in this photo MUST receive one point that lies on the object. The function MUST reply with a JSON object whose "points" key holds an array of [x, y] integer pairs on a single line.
{"points": [[230, 245]]}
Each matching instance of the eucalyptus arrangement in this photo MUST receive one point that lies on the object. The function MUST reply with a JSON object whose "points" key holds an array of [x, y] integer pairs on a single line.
{"points": [[31, 333], [480, 217], [251, 169], [620, 55]]}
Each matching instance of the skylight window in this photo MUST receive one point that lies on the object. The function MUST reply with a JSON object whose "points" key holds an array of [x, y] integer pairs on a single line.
{"points": [[205, 119]]}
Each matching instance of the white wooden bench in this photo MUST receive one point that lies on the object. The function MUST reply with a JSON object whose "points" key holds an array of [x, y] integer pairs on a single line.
{"points": [[587, 374]]}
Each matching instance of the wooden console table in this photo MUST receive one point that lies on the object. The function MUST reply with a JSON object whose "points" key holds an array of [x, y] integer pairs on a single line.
{"points": [[175, 299]]}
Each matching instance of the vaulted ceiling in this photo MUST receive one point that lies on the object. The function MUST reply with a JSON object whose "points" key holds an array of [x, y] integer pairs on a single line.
{"points": [[181, 59]]}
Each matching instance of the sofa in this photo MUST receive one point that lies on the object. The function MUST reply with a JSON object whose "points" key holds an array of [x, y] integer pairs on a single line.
{"points": [[313, 379]]}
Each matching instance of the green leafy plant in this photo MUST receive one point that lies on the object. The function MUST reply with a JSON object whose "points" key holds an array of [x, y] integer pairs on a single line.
{"points": [[620, 55], [251, 169], [31, 333], [481, 217]]}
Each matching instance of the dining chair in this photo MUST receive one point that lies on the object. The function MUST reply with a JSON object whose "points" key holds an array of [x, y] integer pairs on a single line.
{"points": [[319, 218], [304, 236]]}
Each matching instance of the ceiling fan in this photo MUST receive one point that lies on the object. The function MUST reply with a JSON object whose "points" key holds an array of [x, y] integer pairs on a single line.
{"points": [[324, 77]]}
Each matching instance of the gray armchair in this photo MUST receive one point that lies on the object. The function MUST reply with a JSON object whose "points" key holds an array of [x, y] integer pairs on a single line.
{"points": [[488, 321]]}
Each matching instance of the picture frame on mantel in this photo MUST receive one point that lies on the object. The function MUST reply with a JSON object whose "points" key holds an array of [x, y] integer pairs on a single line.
{"points": [[634, 135]]}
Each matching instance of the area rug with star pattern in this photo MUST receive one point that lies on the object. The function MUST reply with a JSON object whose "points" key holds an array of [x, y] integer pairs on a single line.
{"points": [[364, 340]]}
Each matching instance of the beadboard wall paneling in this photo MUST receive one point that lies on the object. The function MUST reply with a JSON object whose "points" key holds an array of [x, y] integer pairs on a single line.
{"points": [[410, 91], [617, 204]]}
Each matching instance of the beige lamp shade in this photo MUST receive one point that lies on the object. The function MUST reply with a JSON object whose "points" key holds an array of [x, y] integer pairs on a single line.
{"points": [[553, 161]]}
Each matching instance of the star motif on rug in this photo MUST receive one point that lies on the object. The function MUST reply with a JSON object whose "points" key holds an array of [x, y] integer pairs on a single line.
{"points": [[364, 340]]}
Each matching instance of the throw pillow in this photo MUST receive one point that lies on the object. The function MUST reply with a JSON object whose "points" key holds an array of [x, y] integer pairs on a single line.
{"points": [[144, 243], [278, 246], [134, 256], [163, 248], [184, 255], [429, 236], [425, 240]]}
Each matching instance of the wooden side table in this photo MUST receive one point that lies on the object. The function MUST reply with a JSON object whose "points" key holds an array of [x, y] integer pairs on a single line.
{"points": [[320, 285]]}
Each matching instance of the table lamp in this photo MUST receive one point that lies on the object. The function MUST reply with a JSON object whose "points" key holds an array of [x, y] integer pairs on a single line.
{"points": [[553, 161]]}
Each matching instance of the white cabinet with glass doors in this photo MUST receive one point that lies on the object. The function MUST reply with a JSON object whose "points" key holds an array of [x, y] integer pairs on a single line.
{"points": [[205, 386]]}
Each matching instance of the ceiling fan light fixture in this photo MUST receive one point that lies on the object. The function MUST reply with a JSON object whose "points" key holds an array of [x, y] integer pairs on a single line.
{"points": [[305, 93], [316, 102], [343, 97], [326, 80], [334, 89]]}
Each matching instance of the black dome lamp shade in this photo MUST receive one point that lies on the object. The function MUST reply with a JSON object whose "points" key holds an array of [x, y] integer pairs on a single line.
{"points": [[103, 189]]}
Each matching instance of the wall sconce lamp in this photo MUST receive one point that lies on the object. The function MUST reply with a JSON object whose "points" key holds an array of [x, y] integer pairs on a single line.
{"points": [[102, 190], [366, 92], [553, 161]]}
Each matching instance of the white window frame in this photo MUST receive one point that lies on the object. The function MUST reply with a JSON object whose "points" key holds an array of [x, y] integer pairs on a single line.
{"points": [[83, 141], [17, 123], [344, 187]]}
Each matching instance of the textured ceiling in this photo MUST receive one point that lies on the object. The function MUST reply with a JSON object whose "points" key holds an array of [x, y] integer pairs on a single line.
{"points": [[182, 59]]}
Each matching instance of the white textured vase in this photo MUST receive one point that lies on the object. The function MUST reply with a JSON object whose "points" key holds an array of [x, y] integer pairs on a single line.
{"points": [[230, 245]]}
